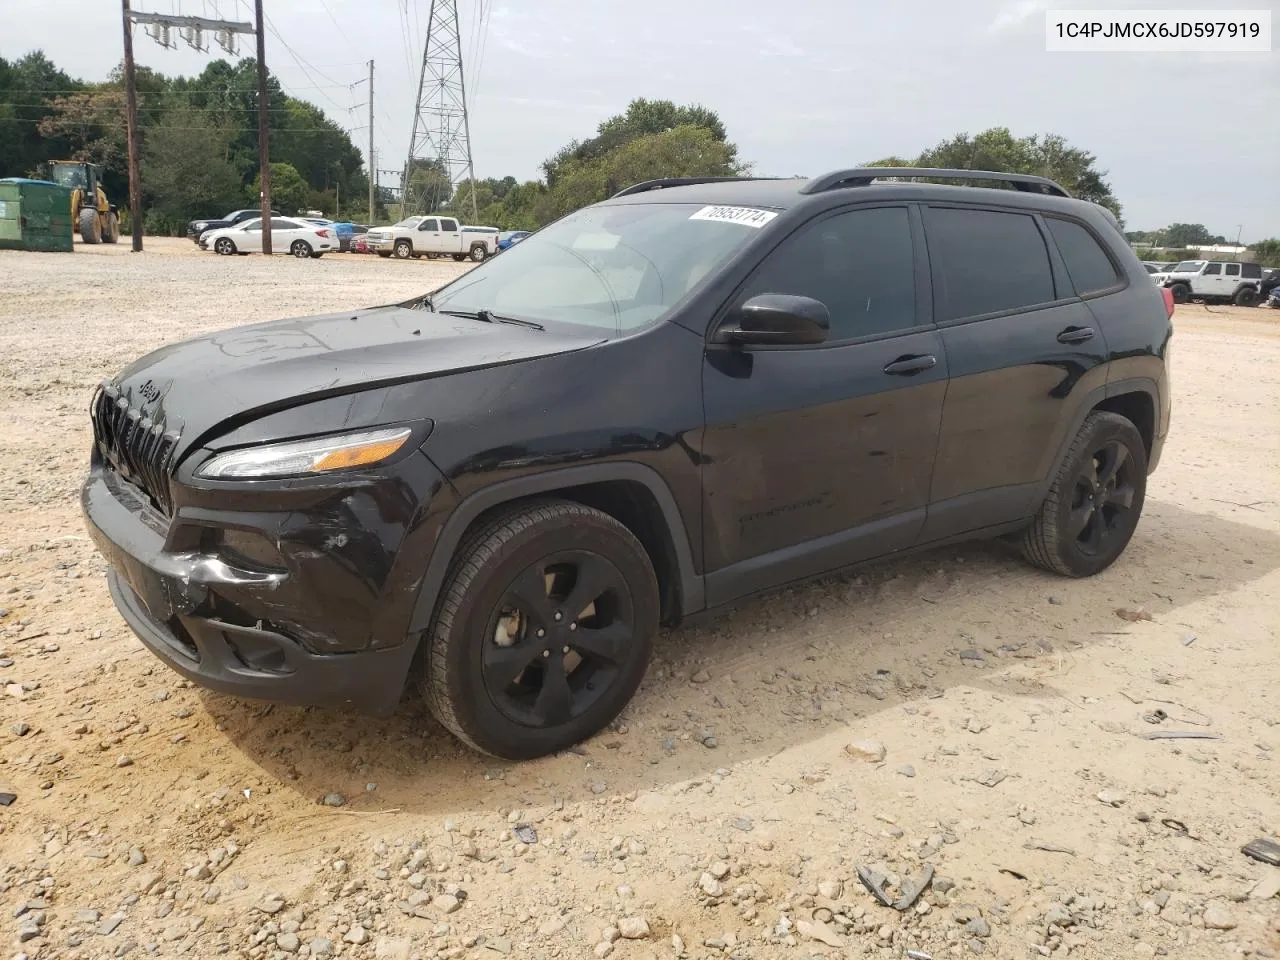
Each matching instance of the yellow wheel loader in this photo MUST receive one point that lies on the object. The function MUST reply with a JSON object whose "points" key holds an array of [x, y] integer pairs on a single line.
{"points": [[92, 216]]}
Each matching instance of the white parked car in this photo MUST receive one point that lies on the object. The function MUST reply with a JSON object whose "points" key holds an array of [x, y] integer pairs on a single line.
{"points": [[422, 236], [292, 236]]}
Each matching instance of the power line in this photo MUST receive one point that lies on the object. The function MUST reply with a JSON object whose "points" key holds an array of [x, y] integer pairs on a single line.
{"points": [[108, 87], [153, 127]]}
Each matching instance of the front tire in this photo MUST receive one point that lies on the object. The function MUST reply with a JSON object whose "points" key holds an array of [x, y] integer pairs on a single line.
{"points": [[1181, 293], [113, 229], [1095, 501], [89, 226], [224, 246], [1245, 297], [404, 250], [460, 257], [544, 630]]}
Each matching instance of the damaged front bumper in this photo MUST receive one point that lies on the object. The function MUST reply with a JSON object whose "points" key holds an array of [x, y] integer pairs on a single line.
{"points": [[248, 626]]}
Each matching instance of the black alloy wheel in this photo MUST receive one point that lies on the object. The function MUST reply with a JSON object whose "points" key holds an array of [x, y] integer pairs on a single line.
{"points": [[557, 639], [1103, 496], [1094, 502], [543, 632]]}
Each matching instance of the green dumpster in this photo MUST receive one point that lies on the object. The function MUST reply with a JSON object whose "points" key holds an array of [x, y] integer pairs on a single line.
{"points": [[35, 215]]}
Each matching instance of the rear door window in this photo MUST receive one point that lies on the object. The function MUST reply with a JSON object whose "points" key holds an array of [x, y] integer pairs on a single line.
{"points": [[448, 226], [986, 262], [1233, 270], [1088, 265]]}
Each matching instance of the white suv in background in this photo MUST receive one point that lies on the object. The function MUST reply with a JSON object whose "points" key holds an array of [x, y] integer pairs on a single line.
{"points": [[1240, 283]]}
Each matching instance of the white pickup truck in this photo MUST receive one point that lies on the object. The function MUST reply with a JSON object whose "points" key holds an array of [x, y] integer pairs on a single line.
{"points": [[432, 236]]}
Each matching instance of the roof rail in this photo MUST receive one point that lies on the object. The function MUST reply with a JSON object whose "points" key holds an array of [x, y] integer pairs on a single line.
{"points": [[648, 185], [863, 176]]}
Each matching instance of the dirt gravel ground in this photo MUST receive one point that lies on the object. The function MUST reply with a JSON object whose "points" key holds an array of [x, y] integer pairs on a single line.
{"points": [[957, 712]]}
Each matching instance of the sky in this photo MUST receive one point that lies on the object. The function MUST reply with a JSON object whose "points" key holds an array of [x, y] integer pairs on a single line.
{"points": [[803, 86]]}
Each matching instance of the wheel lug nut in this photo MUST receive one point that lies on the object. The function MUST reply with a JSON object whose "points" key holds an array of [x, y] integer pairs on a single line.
{"points": [[546, 653], [565, 650], [573, 626], [541, 632], [559, 615]]}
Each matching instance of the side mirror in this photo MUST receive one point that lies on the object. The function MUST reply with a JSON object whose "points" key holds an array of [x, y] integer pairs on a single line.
{"points": [[776, 319]]}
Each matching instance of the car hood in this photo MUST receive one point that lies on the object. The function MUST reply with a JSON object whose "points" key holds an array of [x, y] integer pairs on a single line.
{"points": [[195, 387]]}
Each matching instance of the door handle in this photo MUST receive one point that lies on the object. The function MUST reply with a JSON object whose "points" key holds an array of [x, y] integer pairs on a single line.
{"points": [[1075, 335], [909, 366]]}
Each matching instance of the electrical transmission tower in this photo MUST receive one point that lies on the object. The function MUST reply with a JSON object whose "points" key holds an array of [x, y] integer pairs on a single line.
{"points": [[440, 147]]}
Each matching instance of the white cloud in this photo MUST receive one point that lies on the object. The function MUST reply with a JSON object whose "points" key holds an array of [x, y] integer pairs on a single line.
{"points": [[1014, 14]]}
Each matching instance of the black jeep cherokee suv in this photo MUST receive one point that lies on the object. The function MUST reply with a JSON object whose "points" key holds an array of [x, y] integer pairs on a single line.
{"points": [[692, 392]]}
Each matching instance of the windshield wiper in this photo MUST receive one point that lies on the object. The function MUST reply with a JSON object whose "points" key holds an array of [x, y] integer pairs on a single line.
{"points": [[488, 316]]}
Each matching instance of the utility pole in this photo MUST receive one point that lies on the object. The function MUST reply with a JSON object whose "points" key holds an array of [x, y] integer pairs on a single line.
{"points": [[263, 117], [373, 189], [159, 27], [131, 121]]}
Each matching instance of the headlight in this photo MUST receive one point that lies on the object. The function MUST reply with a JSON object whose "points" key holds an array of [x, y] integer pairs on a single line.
{"points": [[303, 457], [200, 224]]}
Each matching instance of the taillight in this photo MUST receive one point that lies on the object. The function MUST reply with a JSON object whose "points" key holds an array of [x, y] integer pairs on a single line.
{"points": [[323, 233], [1168, 300]]}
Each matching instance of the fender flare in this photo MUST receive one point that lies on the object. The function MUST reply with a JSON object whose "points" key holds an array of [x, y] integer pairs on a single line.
{"points": [[1090, 401], [692, 587]]}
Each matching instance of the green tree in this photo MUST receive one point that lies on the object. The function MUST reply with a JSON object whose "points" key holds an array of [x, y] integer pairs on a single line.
{"points": [[1187, 235], [187, 170], [429, 181], [685, 151], [290, 193], [642, 118], [92, 122], [1045, 155], [1266, 252], [27, 86]]}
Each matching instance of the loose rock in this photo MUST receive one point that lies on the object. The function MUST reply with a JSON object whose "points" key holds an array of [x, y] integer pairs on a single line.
{"points": [[633, 928], [1218, 918], [872, 751]]}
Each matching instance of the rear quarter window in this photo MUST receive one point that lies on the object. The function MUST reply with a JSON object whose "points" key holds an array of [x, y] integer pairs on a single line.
{"points": [[1088, 265], [1252, 271]]}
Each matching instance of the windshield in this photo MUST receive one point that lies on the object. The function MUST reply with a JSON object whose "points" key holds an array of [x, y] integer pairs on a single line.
{"points": [[1188, 266], [69, 175], [614, 267], [409, 222]]}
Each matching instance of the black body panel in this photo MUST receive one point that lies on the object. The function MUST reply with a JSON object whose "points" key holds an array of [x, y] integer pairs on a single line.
{"points": [[743, 468]]}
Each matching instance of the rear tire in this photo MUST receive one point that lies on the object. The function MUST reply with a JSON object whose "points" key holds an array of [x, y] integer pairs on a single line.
{"points": [[301, 249], [510, 668], [1245, 297], [1095, 501], [89, 226], [479, 252], [1181, 293], [113, 229], [404, 250]]}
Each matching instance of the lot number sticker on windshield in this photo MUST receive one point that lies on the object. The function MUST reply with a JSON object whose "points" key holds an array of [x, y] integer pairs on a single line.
{"points": [[746, 216]]}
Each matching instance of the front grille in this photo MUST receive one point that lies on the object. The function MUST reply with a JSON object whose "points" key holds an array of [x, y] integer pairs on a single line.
{"points": [[135, 446]]}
